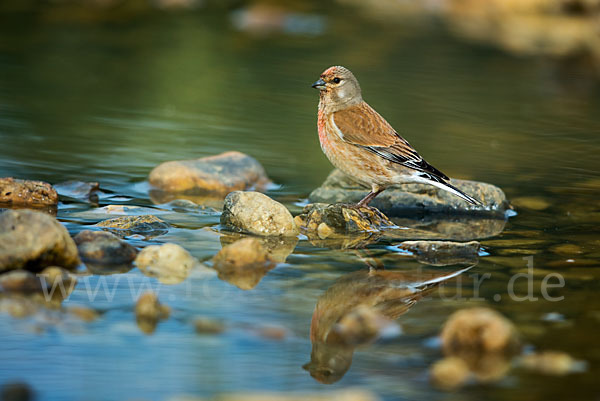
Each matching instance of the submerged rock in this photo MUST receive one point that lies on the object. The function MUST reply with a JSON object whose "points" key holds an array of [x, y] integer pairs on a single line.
{"points": [[33, 240], [406, 199], [103, 248], [340, 220], [477, 331], [363, 325], [170, 263], [220, 174], [243, 263], [208, 326], [147, 225], [256, 213], [24, 192], [16, 391], [149, 311], [553, 363], [442, 253]]}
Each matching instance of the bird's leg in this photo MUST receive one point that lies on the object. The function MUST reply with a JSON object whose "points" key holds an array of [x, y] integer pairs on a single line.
{"points": [[375, 190]]}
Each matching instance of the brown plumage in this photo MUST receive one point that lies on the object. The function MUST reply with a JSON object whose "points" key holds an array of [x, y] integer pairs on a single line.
{"points": [[361, 143]]}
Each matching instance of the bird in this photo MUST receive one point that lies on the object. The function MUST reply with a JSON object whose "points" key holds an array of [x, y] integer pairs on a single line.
{"points": [[362, 144]]}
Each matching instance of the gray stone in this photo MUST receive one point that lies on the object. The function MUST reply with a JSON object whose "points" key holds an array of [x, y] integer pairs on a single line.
{"points": [[147, 225], [218, 174], [256, 213], [103, 248], [33, 240], [406, 199]]}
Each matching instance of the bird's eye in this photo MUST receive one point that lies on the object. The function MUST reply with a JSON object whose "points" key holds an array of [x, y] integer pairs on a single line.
{"points": [[337, 80]]}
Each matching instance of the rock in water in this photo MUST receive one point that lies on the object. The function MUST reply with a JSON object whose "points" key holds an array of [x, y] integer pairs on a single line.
{"points": [[442, 253], [331, 221], [24, 192], [449, 373], [218, 174], [104, 248], [243, 263], [256, 213], [170, 263], [477, 331], [33, 240], [405, 199], [147, 225]]}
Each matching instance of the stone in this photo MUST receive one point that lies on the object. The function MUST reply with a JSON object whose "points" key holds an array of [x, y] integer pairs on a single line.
{"points": [[147, 225], [348, 394], [552, 363], [103, 248], [24, 192], [220, 174], [16, 391], [273, 332], [149, 311], [449, 373], [476, 331], [85, 191], [531, 202], [255, 213], [33, 240], [442, 253], [243, 263], [325, 221], [170, 263], [406, 199], [208, 326]]}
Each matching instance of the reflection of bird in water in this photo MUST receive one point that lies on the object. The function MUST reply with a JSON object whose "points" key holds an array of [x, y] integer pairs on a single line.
{"points": [[390, 293]]}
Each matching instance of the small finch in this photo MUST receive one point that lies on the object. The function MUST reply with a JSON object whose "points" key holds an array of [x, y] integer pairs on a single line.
{"points": [[361, 143]]}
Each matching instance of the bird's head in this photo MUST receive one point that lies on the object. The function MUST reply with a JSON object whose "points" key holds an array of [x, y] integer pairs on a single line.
{"points": [[338, 87]]}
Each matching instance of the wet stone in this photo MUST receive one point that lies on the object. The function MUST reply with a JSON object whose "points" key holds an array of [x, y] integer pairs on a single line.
{"points": [[208, 326], [243, 263], [24, 192], [85, 191], [406, 199], [256, 213], [339, 220], [147, 225], [477, 331], [442, 253], [552, 363], [20, 281], [220, 174], [103, 248], [33, 240], [170, 263]]}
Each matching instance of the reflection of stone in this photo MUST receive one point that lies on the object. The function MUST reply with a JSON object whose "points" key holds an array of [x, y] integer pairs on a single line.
{"points": [[24, 192], [149, 311], [457, 228], [442, 253], [147, 225], [553, 363], [243, 263], [406, 199], [256, 213], [279, 248], [449, 373], [386, 293], [33, 240], [218, 174], [159, 197]]}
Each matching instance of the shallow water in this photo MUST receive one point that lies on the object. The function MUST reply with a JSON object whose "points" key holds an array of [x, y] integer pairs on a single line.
{"points": [[107, 101]]}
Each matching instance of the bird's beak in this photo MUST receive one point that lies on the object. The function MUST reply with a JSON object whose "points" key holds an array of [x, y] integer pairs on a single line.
{"points": [[320, 84]]}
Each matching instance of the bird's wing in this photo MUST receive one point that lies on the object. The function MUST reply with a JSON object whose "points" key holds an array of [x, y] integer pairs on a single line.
{"points": [[362, 126]]}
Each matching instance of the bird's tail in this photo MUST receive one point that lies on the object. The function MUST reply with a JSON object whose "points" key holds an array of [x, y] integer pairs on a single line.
{"points": [[446, 186]]}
